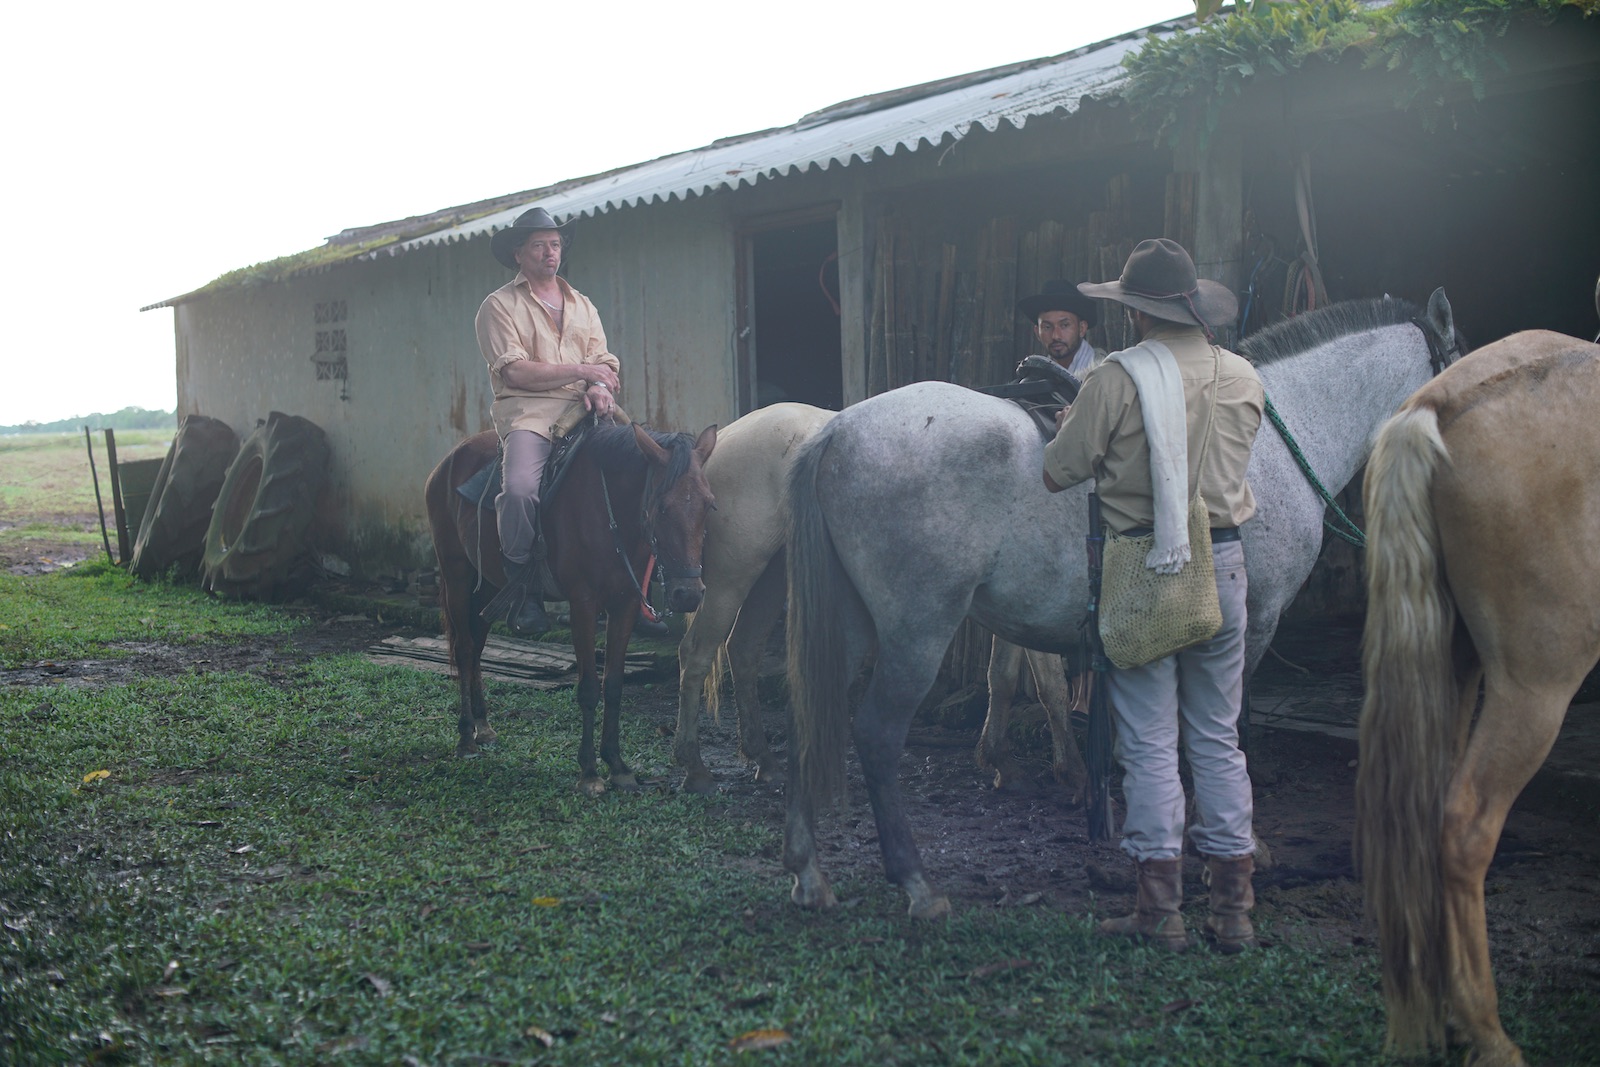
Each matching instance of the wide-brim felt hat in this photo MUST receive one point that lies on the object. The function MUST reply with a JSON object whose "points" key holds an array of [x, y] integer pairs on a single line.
{"points": [[1059, 295], [1159, 279], [504, 243]]}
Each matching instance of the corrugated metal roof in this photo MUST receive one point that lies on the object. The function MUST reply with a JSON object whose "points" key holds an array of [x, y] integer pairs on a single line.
{"points": [[841, 135], [855, 130]]}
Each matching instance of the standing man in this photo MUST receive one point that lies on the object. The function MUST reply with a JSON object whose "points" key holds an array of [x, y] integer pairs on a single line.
{"points": [[546, 350], [1062, 318], [1191, 697]]}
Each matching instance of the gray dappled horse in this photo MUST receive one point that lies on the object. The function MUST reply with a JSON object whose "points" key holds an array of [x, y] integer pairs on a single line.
{"points": [[925, 505]]}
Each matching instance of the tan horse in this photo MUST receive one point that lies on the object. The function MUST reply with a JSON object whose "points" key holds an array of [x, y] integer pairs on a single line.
{"points": [[1483, 565]]}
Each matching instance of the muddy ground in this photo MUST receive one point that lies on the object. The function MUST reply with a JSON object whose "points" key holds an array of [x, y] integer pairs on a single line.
{"points": [[1028, 848], [39, 555]]}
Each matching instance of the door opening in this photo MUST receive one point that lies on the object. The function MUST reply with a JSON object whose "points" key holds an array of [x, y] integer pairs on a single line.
{"points": [[794, 347]]}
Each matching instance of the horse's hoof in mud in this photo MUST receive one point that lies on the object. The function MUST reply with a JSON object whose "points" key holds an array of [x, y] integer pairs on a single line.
{"points": [[699, 782], [926, 904], [591, 787], [813, 892], [625, 783], [770, 772], [484, 734], [466, 749]]}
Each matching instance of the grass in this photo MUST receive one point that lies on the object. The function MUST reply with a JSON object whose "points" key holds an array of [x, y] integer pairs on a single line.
{"points": [[286, 866], [48, 473]]}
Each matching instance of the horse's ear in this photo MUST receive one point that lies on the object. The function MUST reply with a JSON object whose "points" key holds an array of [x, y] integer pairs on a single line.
{"points": [[705, 443], [1441, 319], [647, 445]]}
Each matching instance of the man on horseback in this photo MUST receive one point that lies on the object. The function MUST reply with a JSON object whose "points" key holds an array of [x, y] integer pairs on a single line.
{"points": [[1192, 695], [1062, 318], [546, 350]]}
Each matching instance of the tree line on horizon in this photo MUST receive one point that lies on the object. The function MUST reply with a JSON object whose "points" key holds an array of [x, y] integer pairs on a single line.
{"points": [[129, 418]]}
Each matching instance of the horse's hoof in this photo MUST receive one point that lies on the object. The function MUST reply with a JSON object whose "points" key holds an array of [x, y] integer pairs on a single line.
{"points": [[699, 782], [770, 772], [466, 750], [930, 910], [813, 892], [484, 734], [625, 783], [591, 787]]}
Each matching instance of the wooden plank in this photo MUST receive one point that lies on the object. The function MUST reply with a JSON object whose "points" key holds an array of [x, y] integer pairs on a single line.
{"points": [[997, 282], [543, 664], [944, 314], [904, 362]]}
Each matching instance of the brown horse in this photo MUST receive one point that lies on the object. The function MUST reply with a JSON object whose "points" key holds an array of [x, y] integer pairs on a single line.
{"points": [[1483, 565], [630, 494]]}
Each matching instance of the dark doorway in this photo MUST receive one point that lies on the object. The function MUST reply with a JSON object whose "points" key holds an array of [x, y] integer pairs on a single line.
{"points": [[793, 345]]}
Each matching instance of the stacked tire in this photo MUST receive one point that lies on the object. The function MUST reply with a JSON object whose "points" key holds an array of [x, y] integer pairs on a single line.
{"points": [[255, 545], [173, 530]]}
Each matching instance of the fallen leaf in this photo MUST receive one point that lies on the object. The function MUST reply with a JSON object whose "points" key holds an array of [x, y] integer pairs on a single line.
{"points": [[1178, 1005], [380, 984], [989, 970], [546, 902], [426, 910], [172, 969], [343, 1044], [751, 1001], [756, 1040], [242, 849], [544, 1037], [607, 1017], [167, 991], [478, 946], [95, 776]]}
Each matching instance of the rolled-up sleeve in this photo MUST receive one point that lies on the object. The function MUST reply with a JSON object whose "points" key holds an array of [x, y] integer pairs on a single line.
{"points": [[497, 334], [1080, 445], [595, 351]]}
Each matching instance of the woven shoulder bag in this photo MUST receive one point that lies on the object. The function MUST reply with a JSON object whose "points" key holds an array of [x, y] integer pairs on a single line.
{"points": [[1146, 616]]}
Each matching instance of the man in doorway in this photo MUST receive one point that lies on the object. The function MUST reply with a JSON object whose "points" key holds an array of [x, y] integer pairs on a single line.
{"points": [[546, 350], [1191, 697], [1062, 318]]}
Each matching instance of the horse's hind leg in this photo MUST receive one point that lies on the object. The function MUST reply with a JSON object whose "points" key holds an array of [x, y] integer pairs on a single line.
{"points": [[696, 654], [760, 613], [994, 743], [472, 680], [1050, 679], [900, 680], [462, 627], [1513, 735], [619, 628], [588, 694]]}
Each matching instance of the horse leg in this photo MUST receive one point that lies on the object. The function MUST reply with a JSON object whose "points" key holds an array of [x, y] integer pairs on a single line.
{"points": [[473, 681], [1512, 737], [456, 578], [811, 888], [1050, 679], [619, 628], [697, 652], [588, 694], [900, 680], [761, 610], [994, 742]]}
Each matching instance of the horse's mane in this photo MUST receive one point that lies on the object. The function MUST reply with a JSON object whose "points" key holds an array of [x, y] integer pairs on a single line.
{"points": [[614, 447], [1305, 332]]}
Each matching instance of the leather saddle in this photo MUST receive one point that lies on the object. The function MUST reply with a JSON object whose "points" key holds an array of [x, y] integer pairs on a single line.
{"points": [[1042, 387]]}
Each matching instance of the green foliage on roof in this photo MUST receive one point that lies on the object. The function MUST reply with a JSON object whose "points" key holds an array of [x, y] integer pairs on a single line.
{"points": [[1186, 81]]}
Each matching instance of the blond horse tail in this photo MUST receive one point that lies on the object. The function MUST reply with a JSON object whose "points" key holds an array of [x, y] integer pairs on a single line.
{"points": [[1407, 724], [713, 683], [820, 669]]}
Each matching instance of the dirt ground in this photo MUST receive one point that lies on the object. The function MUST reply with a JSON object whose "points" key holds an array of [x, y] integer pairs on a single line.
{"points": [[42, 554], [1027, 848]]}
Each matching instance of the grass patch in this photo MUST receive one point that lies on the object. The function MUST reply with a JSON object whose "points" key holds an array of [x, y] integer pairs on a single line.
{"points": [[48, 473], [292, 869], [82, 612]]}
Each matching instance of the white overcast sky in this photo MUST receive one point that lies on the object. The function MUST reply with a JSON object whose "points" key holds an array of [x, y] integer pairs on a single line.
{"points": [[152, 146]]}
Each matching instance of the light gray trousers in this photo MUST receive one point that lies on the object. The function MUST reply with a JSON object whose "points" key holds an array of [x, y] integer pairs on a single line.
{"points": [[516, 509], [1192, 698]]}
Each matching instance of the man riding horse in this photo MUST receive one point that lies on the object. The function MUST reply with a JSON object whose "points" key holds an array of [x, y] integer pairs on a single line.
{"points": [[1139, 427], [546, 351]]}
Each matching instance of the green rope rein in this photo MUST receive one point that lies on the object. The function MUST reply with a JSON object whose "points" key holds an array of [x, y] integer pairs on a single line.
{"points": [[1352, 533]]}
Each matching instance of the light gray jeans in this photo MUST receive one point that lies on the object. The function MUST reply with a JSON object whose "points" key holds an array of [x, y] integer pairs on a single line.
{"points": [[516, 509], [1190, 697]]}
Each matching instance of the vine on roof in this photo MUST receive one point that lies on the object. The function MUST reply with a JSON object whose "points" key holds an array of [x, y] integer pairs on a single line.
{"points": [[1186, 81]]}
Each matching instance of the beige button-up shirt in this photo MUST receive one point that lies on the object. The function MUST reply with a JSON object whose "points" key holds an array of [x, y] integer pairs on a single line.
{"points": [[1103, 438], [514, 324]]}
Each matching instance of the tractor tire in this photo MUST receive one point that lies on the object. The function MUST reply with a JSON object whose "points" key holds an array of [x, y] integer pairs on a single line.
{"points": [[264, 510], [173, 530]]}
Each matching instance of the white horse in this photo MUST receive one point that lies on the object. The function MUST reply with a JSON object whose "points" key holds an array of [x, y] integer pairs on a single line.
{"points": [[925, 505]]}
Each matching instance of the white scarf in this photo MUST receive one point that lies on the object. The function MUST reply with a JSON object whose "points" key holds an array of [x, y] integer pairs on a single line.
{"points": [[1155, 375], [1082, 359]]}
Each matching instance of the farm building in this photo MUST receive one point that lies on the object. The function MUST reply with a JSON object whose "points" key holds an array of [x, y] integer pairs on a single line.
{"points": [[886, 239]]}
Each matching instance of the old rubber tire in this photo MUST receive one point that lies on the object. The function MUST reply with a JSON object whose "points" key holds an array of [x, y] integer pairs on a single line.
{"points": [[258, 527], [173, 530]]}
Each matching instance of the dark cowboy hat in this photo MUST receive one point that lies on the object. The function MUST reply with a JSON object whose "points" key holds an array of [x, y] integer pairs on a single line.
{"points": [[1159, 279], [504, 243], [1058, 295]]}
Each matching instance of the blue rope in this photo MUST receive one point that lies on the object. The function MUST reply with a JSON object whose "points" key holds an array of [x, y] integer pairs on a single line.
{"points": [[1354, 535]]}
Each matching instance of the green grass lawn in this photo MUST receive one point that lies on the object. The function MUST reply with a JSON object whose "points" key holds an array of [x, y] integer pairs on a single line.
{"points": [[285, 865], [48, 474]]}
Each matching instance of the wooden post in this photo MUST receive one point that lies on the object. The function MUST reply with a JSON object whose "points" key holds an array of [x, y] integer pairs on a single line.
{"points": [[124, 549], [99, 505]]}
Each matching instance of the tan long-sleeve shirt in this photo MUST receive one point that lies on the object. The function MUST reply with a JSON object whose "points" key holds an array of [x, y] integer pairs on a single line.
{"points": [[514, 324], [1103, 437]]}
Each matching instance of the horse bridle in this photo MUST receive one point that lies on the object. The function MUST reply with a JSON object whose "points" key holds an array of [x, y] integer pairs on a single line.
{"points": [[646, 520], [1439, 357]]}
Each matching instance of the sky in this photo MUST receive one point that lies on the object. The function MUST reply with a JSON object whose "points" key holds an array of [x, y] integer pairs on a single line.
{"points": [[154, 146]]}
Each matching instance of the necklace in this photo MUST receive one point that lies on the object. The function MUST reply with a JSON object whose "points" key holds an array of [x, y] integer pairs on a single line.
{"points": [[553, 308]]}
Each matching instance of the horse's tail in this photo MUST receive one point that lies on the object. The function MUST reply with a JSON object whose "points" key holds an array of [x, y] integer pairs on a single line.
{"points": [[1407, 726], [821, 600], [713, 683]]}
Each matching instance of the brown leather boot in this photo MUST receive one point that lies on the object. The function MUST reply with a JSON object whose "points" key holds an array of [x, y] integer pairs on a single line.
{"points": [[1155, 917], [1232, 896]]}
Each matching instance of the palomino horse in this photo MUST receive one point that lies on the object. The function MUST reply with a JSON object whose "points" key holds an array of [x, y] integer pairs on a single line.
{"points": [[745, 589], [925, 505], [1483, 565], [630, 493]]}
